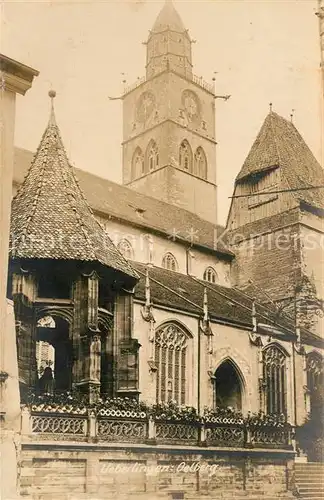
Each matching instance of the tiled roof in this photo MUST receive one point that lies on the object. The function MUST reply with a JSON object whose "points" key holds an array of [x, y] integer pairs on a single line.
{"points": [[51, 218], [279, 144], [122, 203], [185, 293], [168, 18]]}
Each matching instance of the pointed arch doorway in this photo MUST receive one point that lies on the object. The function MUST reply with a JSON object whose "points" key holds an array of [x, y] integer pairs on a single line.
{"points": [[228, 389]]}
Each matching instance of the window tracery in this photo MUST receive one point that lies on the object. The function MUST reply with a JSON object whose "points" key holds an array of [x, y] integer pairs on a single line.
{"points": [[138, 164], [200, 163], [210, 275], [170, 262], [125, 249], [185, 156], [274, 379], [171, 344], [152, 156], [315, 378]]}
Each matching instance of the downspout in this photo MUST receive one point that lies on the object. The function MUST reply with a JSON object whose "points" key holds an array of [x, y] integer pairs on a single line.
{"points": [[297, 329], [198, 370]]}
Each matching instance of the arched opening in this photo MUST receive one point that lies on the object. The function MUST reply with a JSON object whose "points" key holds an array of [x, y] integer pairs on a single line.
{"points": [[53, 355], [171, 346], [315, 381], [200, 163], [210, 275], [185, 156], [170, 262], [228, 387], [274, 379], [137, 164], [152, 156], [125, 248]]}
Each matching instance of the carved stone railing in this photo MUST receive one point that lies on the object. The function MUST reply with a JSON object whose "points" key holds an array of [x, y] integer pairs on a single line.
{"points": [[177, 433], [225, 435], [270, 437], [117, 426], [122, 425], [59, 424]]}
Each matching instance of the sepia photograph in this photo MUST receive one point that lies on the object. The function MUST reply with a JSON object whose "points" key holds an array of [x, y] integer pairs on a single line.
{"points": [[162, 249]]}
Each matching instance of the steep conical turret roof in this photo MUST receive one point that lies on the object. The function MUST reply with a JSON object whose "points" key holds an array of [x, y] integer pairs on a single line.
{"points": [[168, 18], [279, 144], [51, 218]]}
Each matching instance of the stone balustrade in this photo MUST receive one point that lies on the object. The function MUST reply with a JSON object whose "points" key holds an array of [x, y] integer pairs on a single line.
{"points": [[119, 426]]}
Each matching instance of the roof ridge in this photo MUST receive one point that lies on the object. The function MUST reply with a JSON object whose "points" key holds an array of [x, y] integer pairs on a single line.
{"points": [[172, 290], [274, 136]]}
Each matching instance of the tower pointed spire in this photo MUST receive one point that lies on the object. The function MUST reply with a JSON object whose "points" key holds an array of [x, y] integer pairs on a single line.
{"points": [[167, 28], [168, 18], [52, 120]]}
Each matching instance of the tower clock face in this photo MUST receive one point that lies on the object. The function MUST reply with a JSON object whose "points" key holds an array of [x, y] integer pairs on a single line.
{"points": [[145, 106], [191, 104]]}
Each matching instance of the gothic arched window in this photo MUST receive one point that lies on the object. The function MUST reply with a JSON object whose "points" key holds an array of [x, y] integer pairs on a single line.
{"points": [[185, 156], [171, 345], [315, 379], [137, 163], [126, 249], [152, 156], [170, 262], [274, 379], [210, 275], [200, 163]]}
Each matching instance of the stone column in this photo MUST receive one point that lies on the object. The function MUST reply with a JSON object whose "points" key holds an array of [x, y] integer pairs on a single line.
{"points": [[86, 336], [15, 78]]}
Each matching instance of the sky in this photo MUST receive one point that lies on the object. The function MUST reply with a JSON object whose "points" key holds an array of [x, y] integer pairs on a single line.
{"points": [[262, 50]]}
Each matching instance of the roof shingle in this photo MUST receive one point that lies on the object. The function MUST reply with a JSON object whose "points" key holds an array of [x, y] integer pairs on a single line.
{"points": [[51, 218], [185, 293], [122, 203], [279, 144]]}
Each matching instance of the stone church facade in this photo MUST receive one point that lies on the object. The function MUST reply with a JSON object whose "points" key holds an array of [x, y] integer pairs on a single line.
{"points": [[175, 339]]}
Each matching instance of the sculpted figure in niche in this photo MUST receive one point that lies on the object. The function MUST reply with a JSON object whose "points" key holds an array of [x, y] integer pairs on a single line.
{"points": [[46, 382]]}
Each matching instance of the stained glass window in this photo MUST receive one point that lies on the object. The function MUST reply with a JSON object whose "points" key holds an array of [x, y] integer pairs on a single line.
{"points": [[171, 345], [274, 377]]}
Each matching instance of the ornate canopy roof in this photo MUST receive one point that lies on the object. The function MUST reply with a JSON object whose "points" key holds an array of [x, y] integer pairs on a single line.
{"points": [[51, 218]]}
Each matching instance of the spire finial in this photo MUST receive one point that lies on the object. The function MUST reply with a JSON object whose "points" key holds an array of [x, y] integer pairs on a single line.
{"points": [[52, 95], [147, 289], [270, 106], [205, 304], [292, 116]]}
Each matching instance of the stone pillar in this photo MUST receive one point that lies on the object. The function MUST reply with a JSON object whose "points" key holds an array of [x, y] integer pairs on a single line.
{"points": [[86, 337], [14, 78]]}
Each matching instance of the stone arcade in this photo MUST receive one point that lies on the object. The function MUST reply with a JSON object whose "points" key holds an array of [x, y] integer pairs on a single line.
{"points": [[161, 355]]}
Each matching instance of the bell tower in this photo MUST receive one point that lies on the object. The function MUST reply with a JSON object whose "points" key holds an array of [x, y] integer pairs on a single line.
{"points": [[169, 146]]}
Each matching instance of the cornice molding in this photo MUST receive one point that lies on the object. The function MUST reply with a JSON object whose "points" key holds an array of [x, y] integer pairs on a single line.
{"points": [[15, 76]]}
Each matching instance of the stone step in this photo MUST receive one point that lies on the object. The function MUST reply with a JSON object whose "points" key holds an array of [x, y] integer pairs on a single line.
{"points": [[309, 466], [310, 479]]}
